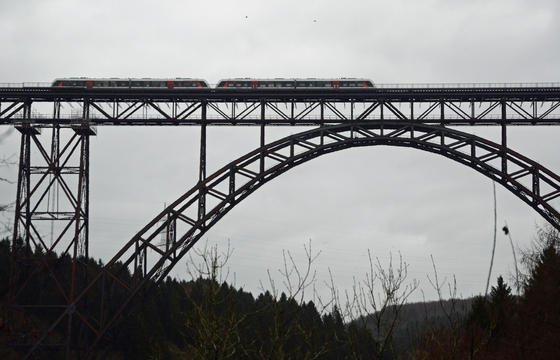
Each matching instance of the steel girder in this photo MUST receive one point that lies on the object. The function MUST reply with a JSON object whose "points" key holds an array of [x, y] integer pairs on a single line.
{"points": [[143, 261], [443, 106]]}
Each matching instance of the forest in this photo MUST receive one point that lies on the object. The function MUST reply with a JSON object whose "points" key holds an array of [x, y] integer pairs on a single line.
{"points": [[208, 318]]}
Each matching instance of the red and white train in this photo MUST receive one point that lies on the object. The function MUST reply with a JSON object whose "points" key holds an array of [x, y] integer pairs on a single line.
{"points": [[342, 83], [238, 83], [88, 83]]}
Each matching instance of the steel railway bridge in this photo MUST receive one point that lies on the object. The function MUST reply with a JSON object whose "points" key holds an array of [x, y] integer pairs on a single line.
{"points": [[53, 181]]}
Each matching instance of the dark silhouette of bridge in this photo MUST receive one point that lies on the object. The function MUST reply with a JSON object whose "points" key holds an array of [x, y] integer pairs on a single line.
{"points": [[54, 167]]}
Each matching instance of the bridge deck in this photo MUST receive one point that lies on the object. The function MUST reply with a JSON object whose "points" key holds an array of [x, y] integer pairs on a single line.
{"points": [[211, 94], [474, 105]]}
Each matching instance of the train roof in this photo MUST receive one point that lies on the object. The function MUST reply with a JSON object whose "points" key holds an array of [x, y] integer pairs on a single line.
{"points": [[295, 79], [131, 79]]}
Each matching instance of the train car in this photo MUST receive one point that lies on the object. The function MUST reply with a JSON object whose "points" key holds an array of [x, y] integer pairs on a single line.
{"points": [[247, 83], [130, 83]]}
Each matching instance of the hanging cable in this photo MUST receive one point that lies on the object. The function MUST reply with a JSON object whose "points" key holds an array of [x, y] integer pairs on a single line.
{"points": [[493, 242], [508, 234]]}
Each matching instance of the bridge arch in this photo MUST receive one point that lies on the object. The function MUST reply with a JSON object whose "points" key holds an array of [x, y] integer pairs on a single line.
{"points": [[196, 211]]}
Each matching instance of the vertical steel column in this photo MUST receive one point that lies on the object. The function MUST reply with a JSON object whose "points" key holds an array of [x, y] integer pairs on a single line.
{"points": [[292, 111], [20, 240], [504, 138], [22, 216], [202, 163], [80, 241], [262, 137]]}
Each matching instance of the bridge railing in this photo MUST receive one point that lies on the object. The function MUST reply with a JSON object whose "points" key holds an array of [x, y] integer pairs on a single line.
{"points": [[101, 118], [378, 85], [467, 85], [25, 84]]}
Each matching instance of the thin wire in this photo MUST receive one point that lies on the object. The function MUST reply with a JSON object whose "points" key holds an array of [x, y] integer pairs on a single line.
{"points": [[494, 242], [508, 233]]}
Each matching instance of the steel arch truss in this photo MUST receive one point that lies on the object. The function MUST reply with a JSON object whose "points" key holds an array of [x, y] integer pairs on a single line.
{"points": [[146, 258]]}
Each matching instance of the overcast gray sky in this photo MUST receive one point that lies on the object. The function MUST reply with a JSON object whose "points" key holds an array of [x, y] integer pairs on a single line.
{"points": [[384, 199]]}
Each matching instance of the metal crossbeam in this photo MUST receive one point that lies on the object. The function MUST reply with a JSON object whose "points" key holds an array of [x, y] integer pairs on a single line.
{"points": [[302, 107]]}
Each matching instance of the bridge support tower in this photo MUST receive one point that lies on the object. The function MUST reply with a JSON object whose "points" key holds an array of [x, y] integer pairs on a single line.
{"points": [[51, 217]]}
